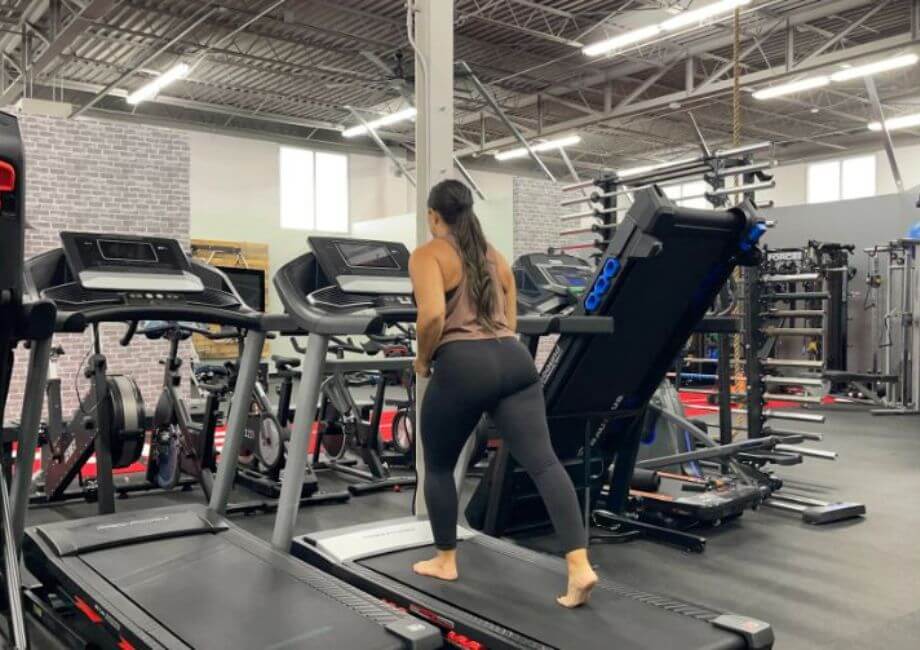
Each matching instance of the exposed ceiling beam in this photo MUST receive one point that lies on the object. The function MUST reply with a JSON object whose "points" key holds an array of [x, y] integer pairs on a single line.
{"points": [[822, 10], [205, 106], [716, 88], [66, 37]]}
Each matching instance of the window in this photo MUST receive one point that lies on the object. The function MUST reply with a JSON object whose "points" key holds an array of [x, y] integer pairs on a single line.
{"points": [[694, 191], [835, 180], [314, 190]]}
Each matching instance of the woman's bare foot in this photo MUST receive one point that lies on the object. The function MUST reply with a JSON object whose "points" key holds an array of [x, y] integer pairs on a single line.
{"points": [[443, 566], [581, 580]]}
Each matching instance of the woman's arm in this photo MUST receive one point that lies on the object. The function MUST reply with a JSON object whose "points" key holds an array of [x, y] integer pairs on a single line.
{"points": [[428, 286], [506, 276]]}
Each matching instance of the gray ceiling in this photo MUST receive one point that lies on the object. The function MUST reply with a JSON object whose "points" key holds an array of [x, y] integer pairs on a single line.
{"points": [[290, 69]]}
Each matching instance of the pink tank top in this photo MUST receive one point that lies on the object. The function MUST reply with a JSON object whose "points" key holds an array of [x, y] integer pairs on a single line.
{"points": [[460, 320]]}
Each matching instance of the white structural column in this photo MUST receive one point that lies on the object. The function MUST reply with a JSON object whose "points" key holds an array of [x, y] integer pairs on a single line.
{"points": [[434, 99], [434, 151]]}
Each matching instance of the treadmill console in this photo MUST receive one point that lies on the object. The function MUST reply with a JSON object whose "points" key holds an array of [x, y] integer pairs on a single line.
{"points": [[548, 284], [364, 265], [362, 273], [129, 263], [102, 270]]}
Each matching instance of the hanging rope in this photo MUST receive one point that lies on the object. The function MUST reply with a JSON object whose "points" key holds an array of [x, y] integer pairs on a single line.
{"points": [[736, 87]]}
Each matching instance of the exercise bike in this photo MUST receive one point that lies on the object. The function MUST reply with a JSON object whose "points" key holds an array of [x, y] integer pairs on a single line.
{"points": [[346, 426], [109, 422], [180, 446]]}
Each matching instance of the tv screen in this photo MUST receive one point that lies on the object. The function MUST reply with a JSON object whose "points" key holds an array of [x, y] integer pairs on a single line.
{"points": [[249, 283]]}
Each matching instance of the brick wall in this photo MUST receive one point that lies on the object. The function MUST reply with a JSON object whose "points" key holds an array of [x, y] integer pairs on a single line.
{"points": [[537, 227], [110, 177]]}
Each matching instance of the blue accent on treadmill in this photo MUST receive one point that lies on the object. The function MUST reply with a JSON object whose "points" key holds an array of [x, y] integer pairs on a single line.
{"points": [[752, 236], [649, 436], [611, 268], [592, 302], [602, 285]]}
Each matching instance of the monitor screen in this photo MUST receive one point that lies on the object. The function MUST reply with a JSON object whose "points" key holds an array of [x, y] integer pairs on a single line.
{"points": [[249, 283], [122, 250], [366, 255]]}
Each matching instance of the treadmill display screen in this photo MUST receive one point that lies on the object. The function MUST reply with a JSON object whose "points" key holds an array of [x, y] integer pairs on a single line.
{"points": [[366, 255], [569, 277], [119, 250]]}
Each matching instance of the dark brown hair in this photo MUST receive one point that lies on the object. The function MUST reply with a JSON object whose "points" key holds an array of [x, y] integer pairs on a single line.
{"points": [[454, 202]]}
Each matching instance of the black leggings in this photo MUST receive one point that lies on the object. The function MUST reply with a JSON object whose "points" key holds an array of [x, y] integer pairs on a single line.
{"points": [[498, 377]]}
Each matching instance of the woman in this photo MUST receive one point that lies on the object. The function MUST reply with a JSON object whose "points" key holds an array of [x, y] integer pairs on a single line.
{"points": [[466, 318]]}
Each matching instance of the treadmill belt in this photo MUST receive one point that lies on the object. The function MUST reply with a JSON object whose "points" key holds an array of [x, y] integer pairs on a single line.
{"points": [[212, 592], [519, 594]]}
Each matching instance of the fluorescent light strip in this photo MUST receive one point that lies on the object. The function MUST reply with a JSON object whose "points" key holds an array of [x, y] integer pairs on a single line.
{"points": [[895, 123], [622, 41], [386, 120], [793, 87], [681, 20], [549, 145], [152, 89], [847, 74], [698, 16], [875, 67]]}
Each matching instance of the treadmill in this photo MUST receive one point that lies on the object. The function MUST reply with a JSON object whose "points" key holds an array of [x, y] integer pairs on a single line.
{"points": [[505, 597], [180, 576], [669, 488]]}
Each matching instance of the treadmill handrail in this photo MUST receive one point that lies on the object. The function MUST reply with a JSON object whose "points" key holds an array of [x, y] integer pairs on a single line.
{"points": [[313, 319], [543, 325], [78, 320]]}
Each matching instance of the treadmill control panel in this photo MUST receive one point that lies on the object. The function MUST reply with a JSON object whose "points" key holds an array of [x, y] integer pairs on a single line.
{"points": [[548, 284], [363, 274], [364, 266], [146, 267]]}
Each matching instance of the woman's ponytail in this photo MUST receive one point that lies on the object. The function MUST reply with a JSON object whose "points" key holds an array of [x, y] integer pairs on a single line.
{"points": [[454, 202]]}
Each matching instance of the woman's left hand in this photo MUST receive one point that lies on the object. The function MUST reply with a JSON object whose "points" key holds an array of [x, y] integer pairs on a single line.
{"points": [[422, 367]]}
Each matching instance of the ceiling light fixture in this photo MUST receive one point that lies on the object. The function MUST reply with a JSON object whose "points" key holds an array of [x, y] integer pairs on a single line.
{"points": [[622, 41], [793, 87], [895, 123], [548, 145], [698, 16], [386, 120], [680, 20], [153, 88], [868, 69], [848, 73]]}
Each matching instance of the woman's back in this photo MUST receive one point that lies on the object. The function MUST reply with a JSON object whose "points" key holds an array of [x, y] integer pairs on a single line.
{"points": [[462, 321]]}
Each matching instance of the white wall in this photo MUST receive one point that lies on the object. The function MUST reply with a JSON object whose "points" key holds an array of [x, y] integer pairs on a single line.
{"points": [[792, 186], [235, 195], [495, 213]]}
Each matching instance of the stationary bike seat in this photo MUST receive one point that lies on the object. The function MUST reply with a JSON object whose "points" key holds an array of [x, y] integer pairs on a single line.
{"points": [[283, 364]]}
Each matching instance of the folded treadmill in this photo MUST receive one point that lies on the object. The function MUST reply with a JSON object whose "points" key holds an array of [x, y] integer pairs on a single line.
{"points": [[657, 279], [179, 576]]}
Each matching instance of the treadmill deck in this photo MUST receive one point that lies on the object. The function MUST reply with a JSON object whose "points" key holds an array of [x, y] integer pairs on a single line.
{"points": [[514, 591], [219, 587]]}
